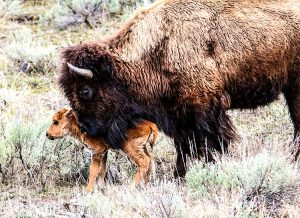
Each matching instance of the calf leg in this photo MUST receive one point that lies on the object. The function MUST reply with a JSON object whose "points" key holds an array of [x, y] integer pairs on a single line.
{"points": [[97, 168], [137, 152], [94, 171], [102, 169]]}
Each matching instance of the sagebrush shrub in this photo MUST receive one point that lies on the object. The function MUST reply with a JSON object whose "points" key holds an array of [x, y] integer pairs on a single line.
{"points": [[9, 7], [264, 171], [90, 13], [30, 55], [264, 180], [27, 154]]}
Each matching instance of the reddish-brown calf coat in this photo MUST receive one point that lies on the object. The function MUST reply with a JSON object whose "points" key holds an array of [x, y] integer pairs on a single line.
{"points": [[64, 123]]}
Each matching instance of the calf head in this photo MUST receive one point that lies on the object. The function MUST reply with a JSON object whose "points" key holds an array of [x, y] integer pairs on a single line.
{"points": [[60, 124]]}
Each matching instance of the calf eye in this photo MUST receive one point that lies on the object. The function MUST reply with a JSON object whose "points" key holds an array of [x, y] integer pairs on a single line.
{"points": [[86, 93], [55, 122]]}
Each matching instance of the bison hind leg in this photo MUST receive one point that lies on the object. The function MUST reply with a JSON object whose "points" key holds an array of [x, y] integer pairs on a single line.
{"points": [[292, 96]]}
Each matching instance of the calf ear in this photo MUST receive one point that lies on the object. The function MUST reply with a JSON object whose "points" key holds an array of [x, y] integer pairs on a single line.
{"points": [[69, 113]]}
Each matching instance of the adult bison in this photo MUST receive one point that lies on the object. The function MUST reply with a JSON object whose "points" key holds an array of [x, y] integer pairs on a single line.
{"points": [[182, 64]]}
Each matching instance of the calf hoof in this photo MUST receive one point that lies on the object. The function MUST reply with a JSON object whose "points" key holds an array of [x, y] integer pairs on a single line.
{"points": [[101, 183], [89, 189], [113, 176]]}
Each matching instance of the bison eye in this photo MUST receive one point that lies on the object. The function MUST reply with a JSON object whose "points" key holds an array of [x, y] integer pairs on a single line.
{"points": [[55, 122], [86, 93]]}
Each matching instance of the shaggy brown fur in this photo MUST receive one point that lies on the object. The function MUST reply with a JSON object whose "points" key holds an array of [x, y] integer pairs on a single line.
{"points": [[182, 64], [64, 123]]}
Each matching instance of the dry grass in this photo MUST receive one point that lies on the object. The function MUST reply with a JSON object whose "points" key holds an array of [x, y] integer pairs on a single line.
{"points": [[40, 178]]}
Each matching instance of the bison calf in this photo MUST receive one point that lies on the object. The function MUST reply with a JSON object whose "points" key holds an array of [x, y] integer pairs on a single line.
{"points": [[65, 123]]}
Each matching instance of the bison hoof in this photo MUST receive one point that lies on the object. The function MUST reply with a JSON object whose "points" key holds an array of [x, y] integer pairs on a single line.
{"points": [[179, 173]]}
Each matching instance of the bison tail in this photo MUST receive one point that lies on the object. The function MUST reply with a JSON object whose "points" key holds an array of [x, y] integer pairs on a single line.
{"points": [[153, 136]]}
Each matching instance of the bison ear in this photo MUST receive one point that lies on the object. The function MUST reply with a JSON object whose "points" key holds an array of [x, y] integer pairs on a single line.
{"points": [[105, 68]]}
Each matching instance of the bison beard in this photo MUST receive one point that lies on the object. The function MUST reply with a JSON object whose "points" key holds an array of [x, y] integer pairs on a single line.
{"points": [[182, 64]]}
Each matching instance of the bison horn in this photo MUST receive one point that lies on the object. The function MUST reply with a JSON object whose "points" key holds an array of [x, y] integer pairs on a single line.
{"points": [[80, 71]]}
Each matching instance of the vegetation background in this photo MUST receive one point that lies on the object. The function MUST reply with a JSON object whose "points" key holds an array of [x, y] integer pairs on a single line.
{"points": [[42, 178]]}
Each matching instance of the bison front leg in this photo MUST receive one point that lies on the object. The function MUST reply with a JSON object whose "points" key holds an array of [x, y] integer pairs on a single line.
{"points": [[214, 131], [180, 169], [137, 152], [182, 144]]}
